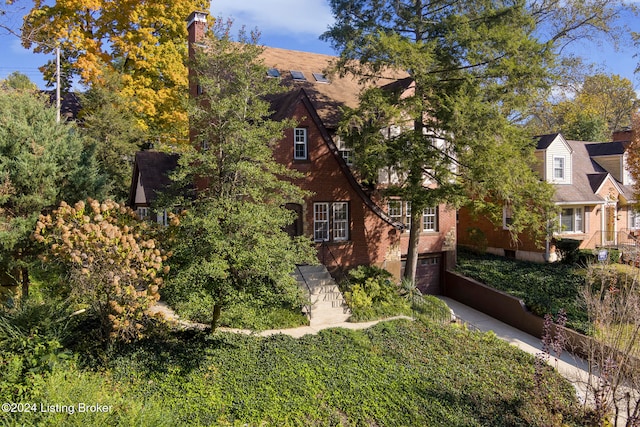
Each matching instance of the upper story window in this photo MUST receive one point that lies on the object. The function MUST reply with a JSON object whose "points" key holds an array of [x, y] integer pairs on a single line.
{"points": [[300, 148], [345, 152], [558, 168], [400, 211]]}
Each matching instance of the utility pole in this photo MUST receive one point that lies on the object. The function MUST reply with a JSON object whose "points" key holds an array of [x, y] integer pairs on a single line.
{"points": [[57, 84]]}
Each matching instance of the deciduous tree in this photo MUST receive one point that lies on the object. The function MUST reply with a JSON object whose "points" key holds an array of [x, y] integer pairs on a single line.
{"points": [[143, 41], [231, 239], [109, 123], [600, 105]]}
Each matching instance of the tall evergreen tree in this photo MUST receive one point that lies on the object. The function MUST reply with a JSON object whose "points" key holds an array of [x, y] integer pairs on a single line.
{"points": [[474, 66], [41, 163], [231, 239]]}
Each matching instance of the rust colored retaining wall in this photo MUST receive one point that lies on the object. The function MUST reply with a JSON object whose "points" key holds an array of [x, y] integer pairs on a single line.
{"points": [[507, 309]]}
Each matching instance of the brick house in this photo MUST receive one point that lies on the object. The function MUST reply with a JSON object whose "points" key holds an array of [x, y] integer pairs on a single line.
{"points": [[351, 225], [593, 193]]}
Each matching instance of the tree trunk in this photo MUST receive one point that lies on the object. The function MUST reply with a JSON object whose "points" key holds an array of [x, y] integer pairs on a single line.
{"points": [[24, 279], [217, 308], [411, 264]]}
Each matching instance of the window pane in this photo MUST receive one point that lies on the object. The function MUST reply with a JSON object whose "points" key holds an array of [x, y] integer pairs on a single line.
{"points": [[566, 220], [321, 222], [429, 219], [578, 220], [299, 143], [340, 221], [395, 209], [558, 167]]}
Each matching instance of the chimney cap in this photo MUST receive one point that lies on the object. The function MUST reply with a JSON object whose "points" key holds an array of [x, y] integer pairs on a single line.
{"points": [[196, 16]]}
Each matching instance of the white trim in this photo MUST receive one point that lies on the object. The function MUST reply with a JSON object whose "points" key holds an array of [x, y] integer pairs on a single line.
{"points": [[303, 143], [563, 168], [321, 222], [615, 184]]}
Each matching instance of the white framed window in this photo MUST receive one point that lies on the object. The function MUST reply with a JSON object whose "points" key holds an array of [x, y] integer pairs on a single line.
{"points": [[400, 211], [558, 168], [394, 209], [143, 212], [345, 152], [430, 219], [163, 217], [571, 220], [300, 151], [507, 217], [340, 221], [331, 221], [321, 222], [634, 219]]}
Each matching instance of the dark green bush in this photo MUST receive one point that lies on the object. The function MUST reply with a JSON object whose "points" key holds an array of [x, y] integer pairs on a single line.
{"points": [[568, 250], [371, 294]]}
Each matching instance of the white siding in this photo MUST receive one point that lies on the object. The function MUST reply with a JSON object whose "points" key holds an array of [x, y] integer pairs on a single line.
{"points": [[140, 199], [627, 179], [558, 148]]}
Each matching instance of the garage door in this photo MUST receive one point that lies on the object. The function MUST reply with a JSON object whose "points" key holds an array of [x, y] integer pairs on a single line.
{"points": [[428, 273]]}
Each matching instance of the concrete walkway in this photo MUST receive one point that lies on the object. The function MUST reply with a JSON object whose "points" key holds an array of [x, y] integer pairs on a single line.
{"points": [[573, 368]]}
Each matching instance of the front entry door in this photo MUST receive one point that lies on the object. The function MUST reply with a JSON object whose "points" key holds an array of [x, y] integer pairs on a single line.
{"points": [[610, 225]]}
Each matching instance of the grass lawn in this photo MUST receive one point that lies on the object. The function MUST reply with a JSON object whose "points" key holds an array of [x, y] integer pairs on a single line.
{"points": [[398, 373]]}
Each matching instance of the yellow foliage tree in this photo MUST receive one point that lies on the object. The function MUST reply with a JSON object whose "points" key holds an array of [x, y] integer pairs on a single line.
{"points": [[144, 41]]}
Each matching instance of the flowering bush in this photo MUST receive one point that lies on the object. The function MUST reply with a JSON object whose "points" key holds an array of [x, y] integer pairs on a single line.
{"points": [[114, 267]]}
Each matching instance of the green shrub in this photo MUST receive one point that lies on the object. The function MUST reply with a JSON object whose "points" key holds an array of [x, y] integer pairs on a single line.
{"points": [[370, 294], [568, 250]]}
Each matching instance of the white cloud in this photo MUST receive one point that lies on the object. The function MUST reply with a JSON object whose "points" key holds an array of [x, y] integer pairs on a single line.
{"points": [[295, 17]]}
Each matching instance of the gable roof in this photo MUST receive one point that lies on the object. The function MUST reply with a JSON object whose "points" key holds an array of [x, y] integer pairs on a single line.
{"points": [[588, 178], [545, 141], [152, 169], [344, 168], [326, 98]]}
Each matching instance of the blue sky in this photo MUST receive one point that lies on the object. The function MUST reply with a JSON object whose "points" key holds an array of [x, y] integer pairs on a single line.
{"points": [[294, 24]]}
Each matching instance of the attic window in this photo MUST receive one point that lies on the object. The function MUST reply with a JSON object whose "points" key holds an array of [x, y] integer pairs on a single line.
{"points": [[320, 78], [297, 75], [272, 72]]}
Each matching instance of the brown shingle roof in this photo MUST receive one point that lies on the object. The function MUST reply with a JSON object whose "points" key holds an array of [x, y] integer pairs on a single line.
{"points": [[327, 98]]}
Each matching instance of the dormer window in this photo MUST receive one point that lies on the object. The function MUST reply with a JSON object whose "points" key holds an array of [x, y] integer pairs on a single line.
{"points": [[558, 168]]}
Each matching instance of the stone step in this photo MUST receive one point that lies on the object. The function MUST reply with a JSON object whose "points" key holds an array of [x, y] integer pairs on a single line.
{"points": [[327, 302], [310, 269]]}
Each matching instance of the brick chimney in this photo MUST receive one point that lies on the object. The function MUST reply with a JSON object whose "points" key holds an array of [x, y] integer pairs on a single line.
{"points": [[196, 28]]}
